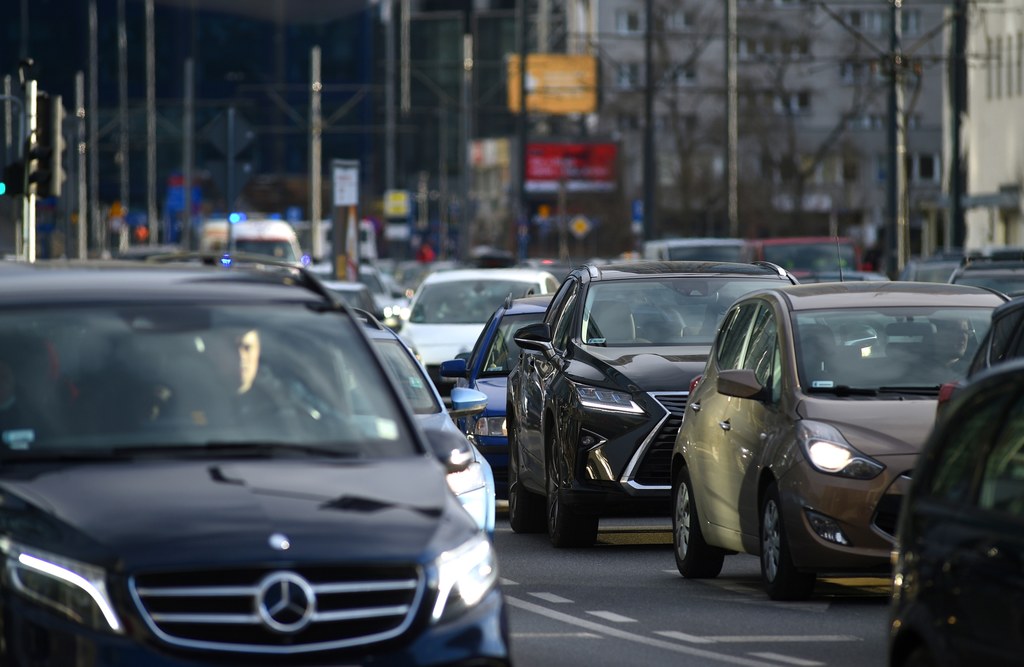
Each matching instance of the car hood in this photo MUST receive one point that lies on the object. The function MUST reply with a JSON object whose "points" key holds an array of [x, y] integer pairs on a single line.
{"points": [[153, 514], [876, 427], [440, 342], [496, 390], [642, 368]]}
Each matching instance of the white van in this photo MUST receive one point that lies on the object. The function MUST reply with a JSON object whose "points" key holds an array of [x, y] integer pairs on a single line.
{"points": [[274, 238], [696, 249]]}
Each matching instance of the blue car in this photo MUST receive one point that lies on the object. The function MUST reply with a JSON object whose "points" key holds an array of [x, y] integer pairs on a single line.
{"points": [[493, 357]]}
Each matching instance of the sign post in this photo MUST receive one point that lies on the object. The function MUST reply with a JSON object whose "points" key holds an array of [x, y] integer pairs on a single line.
{"points": [[345, 182]]}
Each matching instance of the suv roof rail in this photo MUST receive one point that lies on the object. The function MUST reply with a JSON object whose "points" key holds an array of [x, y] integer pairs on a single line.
{"points": [[368, 318], [307, 278], [776, 268]]}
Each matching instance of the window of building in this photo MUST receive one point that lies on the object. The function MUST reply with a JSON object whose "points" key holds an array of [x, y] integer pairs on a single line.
{"points": [[927, 168], [851, 171], [998, 75], [988, 67], [628, 76], [628, 21], [680, 20], [626, 122], [685, 75]]}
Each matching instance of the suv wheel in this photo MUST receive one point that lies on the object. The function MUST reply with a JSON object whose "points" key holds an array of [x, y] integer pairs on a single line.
{"points": [[525, 509], [695, 558], [566, 528], [781, 578]]}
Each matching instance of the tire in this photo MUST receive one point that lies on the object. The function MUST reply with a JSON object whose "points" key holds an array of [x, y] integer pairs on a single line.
{"points": [[781, 578], [525, 509], [566, 527], [695, 558]]}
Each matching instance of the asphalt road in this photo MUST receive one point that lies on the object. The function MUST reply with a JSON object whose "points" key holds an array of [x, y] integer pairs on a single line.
{"points": [[622, 602]]}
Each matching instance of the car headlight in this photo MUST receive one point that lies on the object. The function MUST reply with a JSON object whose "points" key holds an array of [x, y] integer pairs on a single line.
{"points": [[464, 576], [493, 426], [470, 487], [827, 451], [607, 399], [75, 589]]}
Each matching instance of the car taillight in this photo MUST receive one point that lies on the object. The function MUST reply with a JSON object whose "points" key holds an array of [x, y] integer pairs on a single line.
{"points": [[693, 384], [946, 391]]}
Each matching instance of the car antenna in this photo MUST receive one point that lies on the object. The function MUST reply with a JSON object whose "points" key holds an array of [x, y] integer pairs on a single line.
{"points": [[839, 259]]}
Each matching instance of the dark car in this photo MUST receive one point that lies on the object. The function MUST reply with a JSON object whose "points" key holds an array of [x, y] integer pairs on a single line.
{"points": [[957, 581], [1000, 272], [600, 390], [494, 356], [355, 294], [799, 436], [212, 466]]}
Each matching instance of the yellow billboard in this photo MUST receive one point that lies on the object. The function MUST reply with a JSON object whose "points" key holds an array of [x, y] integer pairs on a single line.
{"points": [[556, 83]]}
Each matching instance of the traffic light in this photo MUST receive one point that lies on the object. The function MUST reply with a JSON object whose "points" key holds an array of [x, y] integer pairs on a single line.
{"points": [[44, 157], [14, 178]]}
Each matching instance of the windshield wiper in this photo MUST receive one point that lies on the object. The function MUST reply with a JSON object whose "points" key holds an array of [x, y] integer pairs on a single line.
{"points": [[843, 390], [234, 448], [924, 390]]}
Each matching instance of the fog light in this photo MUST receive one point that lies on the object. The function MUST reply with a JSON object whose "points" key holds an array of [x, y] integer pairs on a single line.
{"points": [[827, 528]]}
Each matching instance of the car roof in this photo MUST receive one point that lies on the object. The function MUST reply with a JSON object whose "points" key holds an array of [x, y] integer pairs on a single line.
{"points": [[878, 293], [457, 275], [75, 282], [345, 285], [632, 270], [528, 304], [696, 242], [794, 240]]}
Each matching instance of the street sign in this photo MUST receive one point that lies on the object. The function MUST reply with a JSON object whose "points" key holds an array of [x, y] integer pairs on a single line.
{"points": [[396, 204], [580, 226], [345, 176]]}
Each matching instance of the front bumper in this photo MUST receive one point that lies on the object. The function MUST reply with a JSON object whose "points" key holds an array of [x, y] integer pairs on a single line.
{"points": [[864, 510], [34, 636]]}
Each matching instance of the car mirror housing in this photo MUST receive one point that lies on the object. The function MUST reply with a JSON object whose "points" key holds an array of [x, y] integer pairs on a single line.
{"points": [[534, 337], [467, 402], [451, 448], [454, 368], [741, 383]]}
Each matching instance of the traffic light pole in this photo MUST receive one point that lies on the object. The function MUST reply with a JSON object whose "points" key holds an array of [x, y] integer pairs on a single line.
{"points": [[28, 213]]}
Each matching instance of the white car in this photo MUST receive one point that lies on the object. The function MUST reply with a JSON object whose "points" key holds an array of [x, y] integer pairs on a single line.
{"points": [[450, 309]]}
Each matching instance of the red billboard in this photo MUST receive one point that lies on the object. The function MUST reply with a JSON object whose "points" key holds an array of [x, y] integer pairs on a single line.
{"points": [[582, 167]]}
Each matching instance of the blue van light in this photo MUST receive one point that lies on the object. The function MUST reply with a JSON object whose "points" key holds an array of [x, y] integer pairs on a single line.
{"points": [[225, 261]]}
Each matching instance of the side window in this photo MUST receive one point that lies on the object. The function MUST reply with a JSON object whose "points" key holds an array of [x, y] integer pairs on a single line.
{"points": [[478, 347], [733, 335], [562, 331], [760, 356], [963, 445], [1002, 483], [1003, 336], [557, 301]]}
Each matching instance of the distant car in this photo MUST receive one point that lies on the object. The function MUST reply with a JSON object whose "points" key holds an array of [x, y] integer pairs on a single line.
{"points": [[801, 433], [1003, 275], [957, 583], [933, 269], [696, 250], [596, 399], [804, 255], [391, 301], [356, 295], [451, 307], [841, 277], [494, 356], [473, 486]]}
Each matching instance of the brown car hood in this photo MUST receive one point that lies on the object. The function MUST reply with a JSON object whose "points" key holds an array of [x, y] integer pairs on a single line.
{"points": [[876, 427]]}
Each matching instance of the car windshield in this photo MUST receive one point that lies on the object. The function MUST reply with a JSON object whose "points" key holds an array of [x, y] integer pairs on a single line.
{"points": [[886, 348], [406, 371], [95, 379], [503, 352], [706, 253], [469, 301], [663, 311], [814, 257], [281, 250]]}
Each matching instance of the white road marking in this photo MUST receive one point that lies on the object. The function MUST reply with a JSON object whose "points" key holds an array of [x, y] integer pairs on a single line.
{"points": [[787, 659], [683, 637], [551, 597], [612, 616], [508, 582], [555, 635], [764, 639], [629, 636]]}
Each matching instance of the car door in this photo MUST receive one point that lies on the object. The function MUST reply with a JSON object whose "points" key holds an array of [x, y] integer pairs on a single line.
{"points": [[536, 370]]}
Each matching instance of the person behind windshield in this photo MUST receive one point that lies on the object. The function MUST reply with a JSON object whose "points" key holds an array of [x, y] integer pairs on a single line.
{"points": [[952, 338]]}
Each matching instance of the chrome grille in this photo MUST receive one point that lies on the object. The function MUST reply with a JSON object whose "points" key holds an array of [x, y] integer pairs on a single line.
{"points": [[655, 468], [220, 610]]}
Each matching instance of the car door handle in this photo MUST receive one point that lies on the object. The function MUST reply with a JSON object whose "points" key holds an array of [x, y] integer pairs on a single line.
{"points": [[726, 426], [695, 407]]}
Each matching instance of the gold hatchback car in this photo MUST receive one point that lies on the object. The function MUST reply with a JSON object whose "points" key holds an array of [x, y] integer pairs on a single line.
{"points": [[799, 438]]}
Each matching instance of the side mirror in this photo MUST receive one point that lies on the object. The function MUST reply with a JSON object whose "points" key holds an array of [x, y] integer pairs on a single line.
{"points": [[454, 368], [451, 448], [534, 337], [467, 402], [741, 383]]}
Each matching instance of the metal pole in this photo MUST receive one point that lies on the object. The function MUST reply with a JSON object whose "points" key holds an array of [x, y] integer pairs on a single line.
{"points": [[80, 171], [387, 17], [28, 216], [151, 211], [122, 108], [650, 171], [23, 47], [956, 230], [442, 181], [187, 152], [230, 177], [731, 125], [897, 153], [8, 121], [315, 154], [101, 238], [464, 134], [405, 47], [522, 130]]}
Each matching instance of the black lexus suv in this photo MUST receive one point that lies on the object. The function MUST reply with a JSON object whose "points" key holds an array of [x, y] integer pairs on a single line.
{"points": [[597, 398], [209, 466]]}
